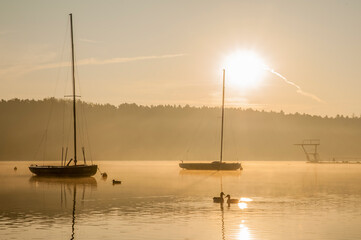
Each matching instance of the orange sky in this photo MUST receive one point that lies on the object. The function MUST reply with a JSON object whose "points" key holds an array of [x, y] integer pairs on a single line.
{"points": [[171, 52]]}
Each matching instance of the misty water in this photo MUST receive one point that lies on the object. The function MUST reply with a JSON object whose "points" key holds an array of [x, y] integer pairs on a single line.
{"points": [[158, 200]]}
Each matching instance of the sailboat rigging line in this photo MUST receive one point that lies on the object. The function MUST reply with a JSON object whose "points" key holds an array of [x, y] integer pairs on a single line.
{"points": [[221, 153], [68, 134], [83, 154], [39, 146], [66, 131], [80, 126], [73, 74], [61, 58], [66, 156], [87, 136], [58, 77], [65, 102], [65, 135], [46, 138], [197, 130], [233, 135], [62, 155], [80, 114], [63, 128], [79, 118], [84, 119], [51, 106], [52, 101], [82, 130], [83, 136]]}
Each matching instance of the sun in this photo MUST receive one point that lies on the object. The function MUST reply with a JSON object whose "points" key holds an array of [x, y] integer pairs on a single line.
{"points": [[244, 69]]}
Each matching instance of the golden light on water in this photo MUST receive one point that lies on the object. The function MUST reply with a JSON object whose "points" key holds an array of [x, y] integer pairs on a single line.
{"points": [[246, 200], [244, 233], [243, 202], [242, 205], [244, 69]]}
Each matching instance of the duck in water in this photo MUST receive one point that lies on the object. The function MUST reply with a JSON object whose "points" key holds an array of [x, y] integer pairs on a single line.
{"points": [[230, 200], [116, 182], [219, 199]]}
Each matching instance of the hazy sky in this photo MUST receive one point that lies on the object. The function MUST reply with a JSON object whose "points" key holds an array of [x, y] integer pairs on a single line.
{"points": [[172, 52]]}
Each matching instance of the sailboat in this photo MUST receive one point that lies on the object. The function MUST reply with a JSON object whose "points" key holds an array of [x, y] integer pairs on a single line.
{"points": [[215, 165], [67, 170]]}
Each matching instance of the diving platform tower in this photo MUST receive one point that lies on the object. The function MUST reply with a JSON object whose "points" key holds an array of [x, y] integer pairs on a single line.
{"points": [[310, 147]]}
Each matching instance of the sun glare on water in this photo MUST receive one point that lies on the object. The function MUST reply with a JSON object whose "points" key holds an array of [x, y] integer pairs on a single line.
{"points": [[242, 205], [244, 69]]}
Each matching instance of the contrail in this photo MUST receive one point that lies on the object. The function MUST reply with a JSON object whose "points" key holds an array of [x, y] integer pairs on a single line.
{"points": [[89, 61], [93, 61], [299, 89]]}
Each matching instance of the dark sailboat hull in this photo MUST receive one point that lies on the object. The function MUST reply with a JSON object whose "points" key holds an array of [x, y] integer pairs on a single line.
{"points": [[65, 171], [211, 166]]}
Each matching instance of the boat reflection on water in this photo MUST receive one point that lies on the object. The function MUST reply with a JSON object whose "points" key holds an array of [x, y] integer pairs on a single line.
{"points": [[215, 173], [85, 181], [71, 184]]}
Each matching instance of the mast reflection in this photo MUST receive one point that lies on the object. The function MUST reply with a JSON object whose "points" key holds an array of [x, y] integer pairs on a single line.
{"points": [[66, 185], [223, 230], [73, 222]]}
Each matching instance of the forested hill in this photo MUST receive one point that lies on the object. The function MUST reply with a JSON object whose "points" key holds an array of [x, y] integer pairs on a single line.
{"points": [[35, 130]]}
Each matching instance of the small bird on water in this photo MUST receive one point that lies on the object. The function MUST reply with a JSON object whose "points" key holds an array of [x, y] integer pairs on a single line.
{"points": [[219, 199], [116, 182], [230, 200]]}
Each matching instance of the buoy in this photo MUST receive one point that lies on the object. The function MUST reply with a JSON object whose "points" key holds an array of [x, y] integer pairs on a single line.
{"points": [[15, 168], [104, 175]]}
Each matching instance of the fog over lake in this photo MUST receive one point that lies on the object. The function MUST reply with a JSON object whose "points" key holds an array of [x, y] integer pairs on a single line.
{"points": [[158, 200]]}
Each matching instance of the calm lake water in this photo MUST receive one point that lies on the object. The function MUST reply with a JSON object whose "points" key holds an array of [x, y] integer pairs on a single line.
{"points": [[157, 200]]}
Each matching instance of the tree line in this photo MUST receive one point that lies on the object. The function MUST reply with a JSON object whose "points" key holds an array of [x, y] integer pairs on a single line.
{"points": [[38, 130]]}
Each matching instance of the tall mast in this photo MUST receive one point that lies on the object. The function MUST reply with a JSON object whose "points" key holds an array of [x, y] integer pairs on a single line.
{"points": [[224, 77], [73, 71]]}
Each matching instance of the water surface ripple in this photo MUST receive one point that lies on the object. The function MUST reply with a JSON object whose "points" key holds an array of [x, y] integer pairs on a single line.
{"points": [[157, 200]]}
